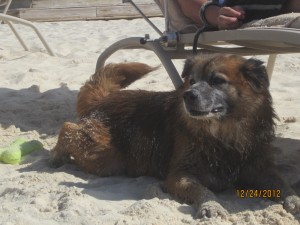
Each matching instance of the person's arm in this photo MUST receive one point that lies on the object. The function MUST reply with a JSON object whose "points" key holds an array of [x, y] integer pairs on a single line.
{"points": [[191, 8], [216, 16]]}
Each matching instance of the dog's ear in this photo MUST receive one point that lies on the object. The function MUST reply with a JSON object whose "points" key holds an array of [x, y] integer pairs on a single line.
{"points": [[188, 66], [255, 74]]}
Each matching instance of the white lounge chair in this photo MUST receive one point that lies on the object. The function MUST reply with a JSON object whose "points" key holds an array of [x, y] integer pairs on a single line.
{"points": [[10, 20], [174, 43]]}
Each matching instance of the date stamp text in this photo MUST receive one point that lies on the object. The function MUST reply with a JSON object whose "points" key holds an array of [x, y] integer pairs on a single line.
{"points": [[258, 193]]}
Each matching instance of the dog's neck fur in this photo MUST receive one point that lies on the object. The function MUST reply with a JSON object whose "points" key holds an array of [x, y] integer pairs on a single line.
{"points": [[238, 135]]}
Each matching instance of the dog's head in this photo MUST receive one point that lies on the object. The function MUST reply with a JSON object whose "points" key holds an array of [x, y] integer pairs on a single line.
{"points": [[215, 84]]}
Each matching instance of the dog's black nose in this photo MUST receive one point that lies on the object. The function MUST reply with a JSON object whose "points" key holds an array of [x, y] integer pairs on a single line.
{"points": [[190, 95]]}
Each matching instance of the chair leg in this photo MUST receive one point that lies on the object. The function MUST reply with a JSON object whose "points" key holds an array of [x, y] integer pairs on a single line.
{"points": [[17, 35], [270, 65], [7, 6], [152, 45], [29, 24]]}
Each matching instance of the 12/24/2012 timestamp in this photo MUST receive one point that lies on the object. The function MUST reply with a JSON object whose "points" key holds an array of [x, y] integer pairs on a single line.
{"points": [[258, 193]]}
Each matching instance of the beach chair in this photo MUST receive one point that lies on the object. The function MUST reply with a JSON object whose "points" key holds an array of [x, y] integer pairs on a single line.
{"points": [[271, 36], [10, 20]]}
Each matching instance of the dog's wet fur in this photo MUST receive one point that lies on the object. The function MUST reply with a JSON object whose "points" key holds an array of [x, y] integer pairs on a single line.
{"points": [[212, 133]]}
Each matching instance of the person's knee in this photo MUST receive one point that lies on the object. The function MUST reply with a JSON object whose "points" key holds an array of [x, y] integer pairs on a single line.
{"points": [[291, 6]]}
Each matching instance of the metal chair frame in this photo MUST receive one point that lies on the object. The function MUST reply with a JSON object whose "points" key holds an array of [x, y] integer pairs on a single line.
{"points": [[174, 45], [10, 20]]}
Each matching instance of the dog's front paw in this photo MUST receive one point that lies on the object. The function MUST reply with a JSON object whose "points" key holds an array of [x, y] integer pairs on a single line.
{"points": [[292, 204], [211, 209], [57, 160], [55, 163]]}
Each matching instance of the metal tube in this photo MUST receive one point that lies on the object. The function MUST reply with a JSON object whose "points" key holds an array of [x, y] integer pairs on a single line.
{"points": [[8, 2], [27, 23], [271, 64], [152, 45], [166, 14], [145, 17], [17, 35]]}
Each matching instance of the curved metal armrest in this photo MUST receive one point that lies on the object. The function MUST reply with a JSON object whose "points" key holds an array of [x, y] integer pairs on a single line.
{"points": [[139, 43]]}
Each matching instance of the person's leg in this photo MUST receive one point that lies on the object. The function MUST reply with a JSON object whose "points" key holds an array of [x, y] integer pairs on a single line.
{"points": [[191, 8], [291, 6]]}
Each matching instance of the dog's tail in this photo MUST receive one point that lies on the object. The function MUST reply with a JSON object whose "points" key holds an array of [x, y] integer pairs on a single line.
{"points": [[109, 79]]}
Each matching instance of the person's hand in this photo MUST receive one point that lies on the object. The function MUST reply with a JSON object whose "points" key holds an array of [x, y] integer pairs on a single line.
{"points": [[230, 17]]}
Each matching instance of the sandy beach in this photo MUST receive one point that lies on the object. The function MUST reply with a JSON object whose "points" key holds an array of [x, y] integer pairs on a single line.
{"points": [[38, 93]]}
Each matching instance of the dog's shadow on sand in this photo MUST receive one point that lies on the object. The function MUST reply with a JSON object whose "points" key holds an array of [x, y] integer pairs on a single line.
{"points": [[28, 109]]}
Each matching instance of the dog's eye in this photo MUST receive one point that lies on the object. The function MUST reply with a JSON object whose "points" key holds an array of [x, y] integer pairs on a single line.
{"points": [[192, 81], [217, 80]]}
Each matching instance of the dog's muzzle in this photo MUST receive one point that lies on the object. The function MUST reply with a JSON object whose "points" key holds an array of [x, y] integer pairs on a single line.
{"points": [[202, 100]]}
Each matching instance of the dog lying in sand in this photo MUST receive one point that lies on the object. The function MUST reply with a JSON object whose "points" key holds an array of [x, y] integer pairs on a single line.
{"points": [[212, 133]]}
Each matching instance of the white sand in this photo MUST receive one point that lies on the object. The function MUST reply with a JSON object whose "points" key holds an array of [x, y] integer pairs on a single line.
{"points": [[38, 92]]}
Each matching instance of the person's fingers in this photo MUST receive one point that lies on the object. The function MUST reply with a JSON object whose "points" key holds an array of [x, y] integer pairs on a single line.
{"points": [[228, 23], [230, 12], [241, 11], [230, 17]]}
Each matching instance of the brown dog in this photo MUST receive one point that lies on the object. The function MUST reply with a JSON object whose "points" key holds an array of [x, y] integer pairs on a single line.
{"points": [[212, 133]]}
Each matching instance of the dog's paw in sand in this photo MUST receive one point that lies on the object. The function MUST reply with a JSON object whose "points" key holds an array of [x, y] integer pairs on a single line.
{"points": [[292, 204], [155, 191], [57, 160], [211, 209], [56, 163]]}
